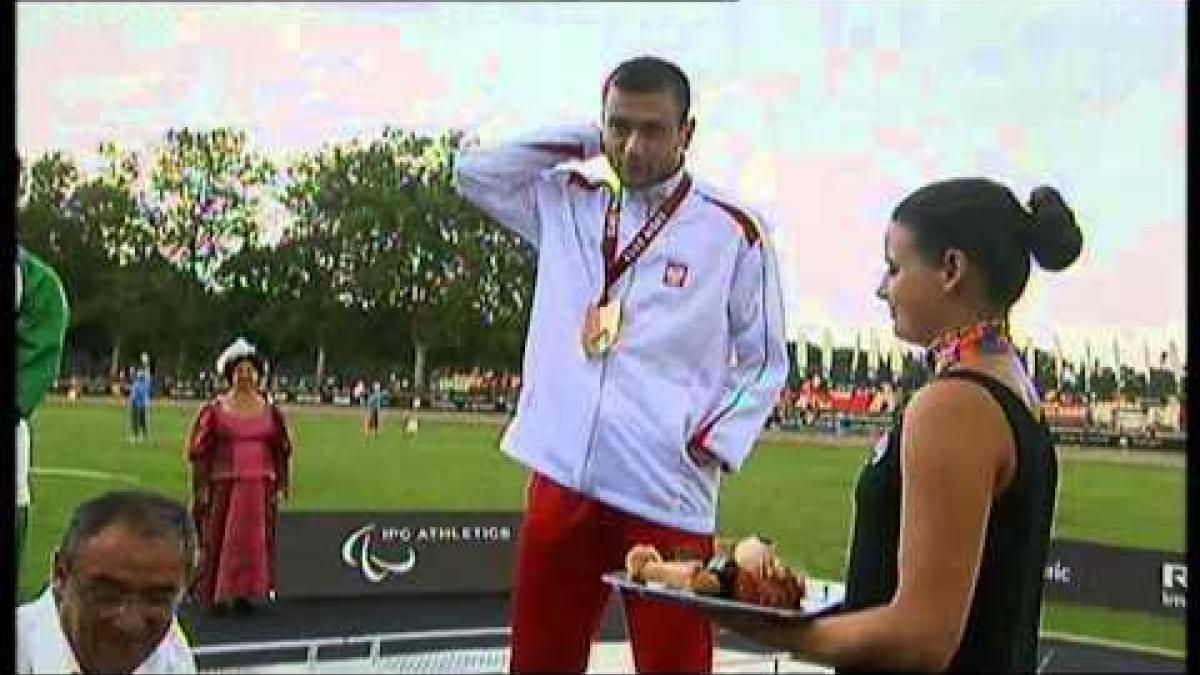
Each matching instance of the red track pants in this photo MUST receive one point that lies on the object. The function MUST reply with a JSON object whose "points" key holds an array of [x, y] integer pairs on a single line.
{"points": [[566, 542]]}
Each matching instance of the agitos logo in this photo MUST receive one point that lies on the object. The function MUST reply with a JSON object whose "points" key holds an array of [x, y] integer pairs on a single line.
{"points": [[357, 551]]}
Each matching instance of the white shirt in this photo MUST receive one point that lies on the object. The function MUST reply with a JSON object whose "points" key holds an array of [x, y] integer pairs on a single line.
{"points": [[22, 437], [700, 356], [42, 647], [22, 468]]}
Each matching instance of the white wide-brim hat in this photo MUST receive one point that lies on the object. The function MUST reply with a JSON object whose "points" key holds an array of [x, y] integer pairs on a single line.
{"points": [[240, 347]]}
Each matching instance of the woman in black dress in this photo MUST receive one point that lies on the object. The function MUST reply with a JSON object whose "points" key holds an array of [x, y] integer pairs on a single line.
{"points": [[953, 508]]}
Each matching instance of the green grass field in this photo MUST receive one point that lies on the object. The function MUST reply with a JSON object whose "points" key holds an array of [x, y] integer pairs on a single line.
{"points": [[799, 494]]}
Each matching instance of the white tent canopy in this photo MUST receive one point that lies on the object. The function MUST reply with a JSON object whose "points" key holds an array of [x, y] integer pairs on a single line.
{"points": [[1137, 348]]}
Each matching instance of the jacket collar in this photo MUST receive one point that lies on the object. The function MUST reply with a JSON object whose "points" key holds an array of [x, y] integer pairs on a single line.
{"points": [[653, 195]]}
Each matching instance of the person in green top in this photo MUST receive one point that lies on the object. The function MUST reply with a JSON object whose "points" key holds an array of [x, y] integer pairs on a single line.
{"points": [[41, 305]]}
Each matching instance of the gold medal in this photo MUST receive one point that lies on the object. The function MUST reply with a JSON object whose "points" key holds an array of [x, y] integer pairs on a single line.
{"points": [[600, 327]]}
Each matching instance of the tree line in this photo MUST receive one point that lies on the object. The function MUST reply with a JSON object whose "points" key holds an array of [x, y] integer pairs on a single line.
{"points": [[357, 256]]}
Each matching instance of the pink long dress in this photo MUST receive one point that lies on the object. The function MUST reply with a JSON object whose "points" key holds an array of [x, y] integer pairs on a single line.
{"points": [[242, 460]]}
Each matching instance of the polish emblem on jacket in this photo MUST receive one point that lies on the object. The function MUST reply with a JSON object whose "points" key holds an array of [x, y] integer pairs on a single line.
{"points": [[675, 275]]}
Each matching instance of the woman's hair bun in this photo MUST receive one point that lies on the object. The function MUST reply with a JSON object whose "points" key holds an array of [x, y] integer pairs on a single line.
{"points": [[1053, 236]]}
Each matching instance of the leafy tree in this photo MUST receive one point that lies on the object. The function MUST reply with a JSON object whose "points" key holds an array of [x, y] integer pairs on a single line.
{"points": [[50, 181], [393, 239], [137, 291], [307, 270], [203, 205], [50, 225], [472, 280], [372, 253]]}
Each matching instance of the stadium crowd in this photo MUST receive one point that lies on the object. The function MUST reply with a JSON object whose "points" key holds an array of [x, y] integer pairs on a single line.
{"points": [[1150, 402]]}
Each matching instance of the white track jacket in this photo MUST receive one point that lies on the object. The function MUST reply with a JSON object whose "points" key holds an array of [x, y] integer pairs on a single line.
{"points": [[700, 357]]}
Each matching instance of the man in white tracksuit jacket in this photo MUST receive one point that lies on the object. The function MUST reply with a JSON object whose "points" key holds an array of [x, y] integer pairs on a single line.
{"points": [[626, 438]]}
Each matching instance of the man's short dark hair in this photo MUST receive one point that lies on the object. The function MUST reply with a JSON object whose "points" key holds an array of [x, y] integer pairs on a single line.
{"points": [[151, 515], [648, 74]]}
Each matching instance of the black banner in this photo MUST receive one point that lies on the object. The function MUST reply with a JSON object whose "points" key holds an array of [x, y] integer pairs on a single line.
{"points": [[1140, 580], [347, 554]]}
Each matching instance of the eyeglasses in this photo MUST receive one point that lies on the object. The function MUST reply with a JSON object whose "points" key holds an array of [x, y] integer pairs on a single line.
{"points": [[107, 597]]}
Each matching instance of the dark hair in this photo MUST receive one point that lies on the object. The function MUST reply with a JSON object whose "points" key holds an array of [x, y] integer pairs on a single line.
{"points": [[984, 220], [648, 74], [149, 514], [254, 359]]}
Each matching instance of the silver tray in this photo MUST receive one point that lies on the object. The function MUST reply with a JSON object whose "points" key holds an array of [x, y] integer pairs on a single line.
{"points": [[811, 609]]}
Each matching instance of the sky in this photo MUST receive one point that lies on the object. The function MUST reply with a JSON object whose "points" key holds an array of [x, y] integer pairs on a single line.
{"points": [[821, 114]]}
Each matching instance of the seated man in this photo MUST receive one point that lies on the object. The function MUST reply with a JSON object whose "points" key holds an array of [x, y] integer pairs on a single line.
{"points": [[119, 575]]}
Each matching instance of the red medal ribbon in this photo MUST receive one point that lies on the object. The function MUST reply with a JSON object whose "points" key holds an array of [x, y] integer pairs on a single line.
{"points": [[615, 265]]}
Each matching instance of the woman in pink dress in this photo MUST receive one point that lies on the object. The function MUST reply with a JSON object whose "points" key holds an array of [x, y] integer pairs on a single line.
{"points": [[239, 449]]}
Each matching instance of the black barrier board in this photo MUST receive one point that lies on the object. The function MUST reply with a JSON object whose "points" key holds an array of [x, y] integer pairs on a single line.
{"points": [[354, 554], [1100, 438], [1142, 580]]}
